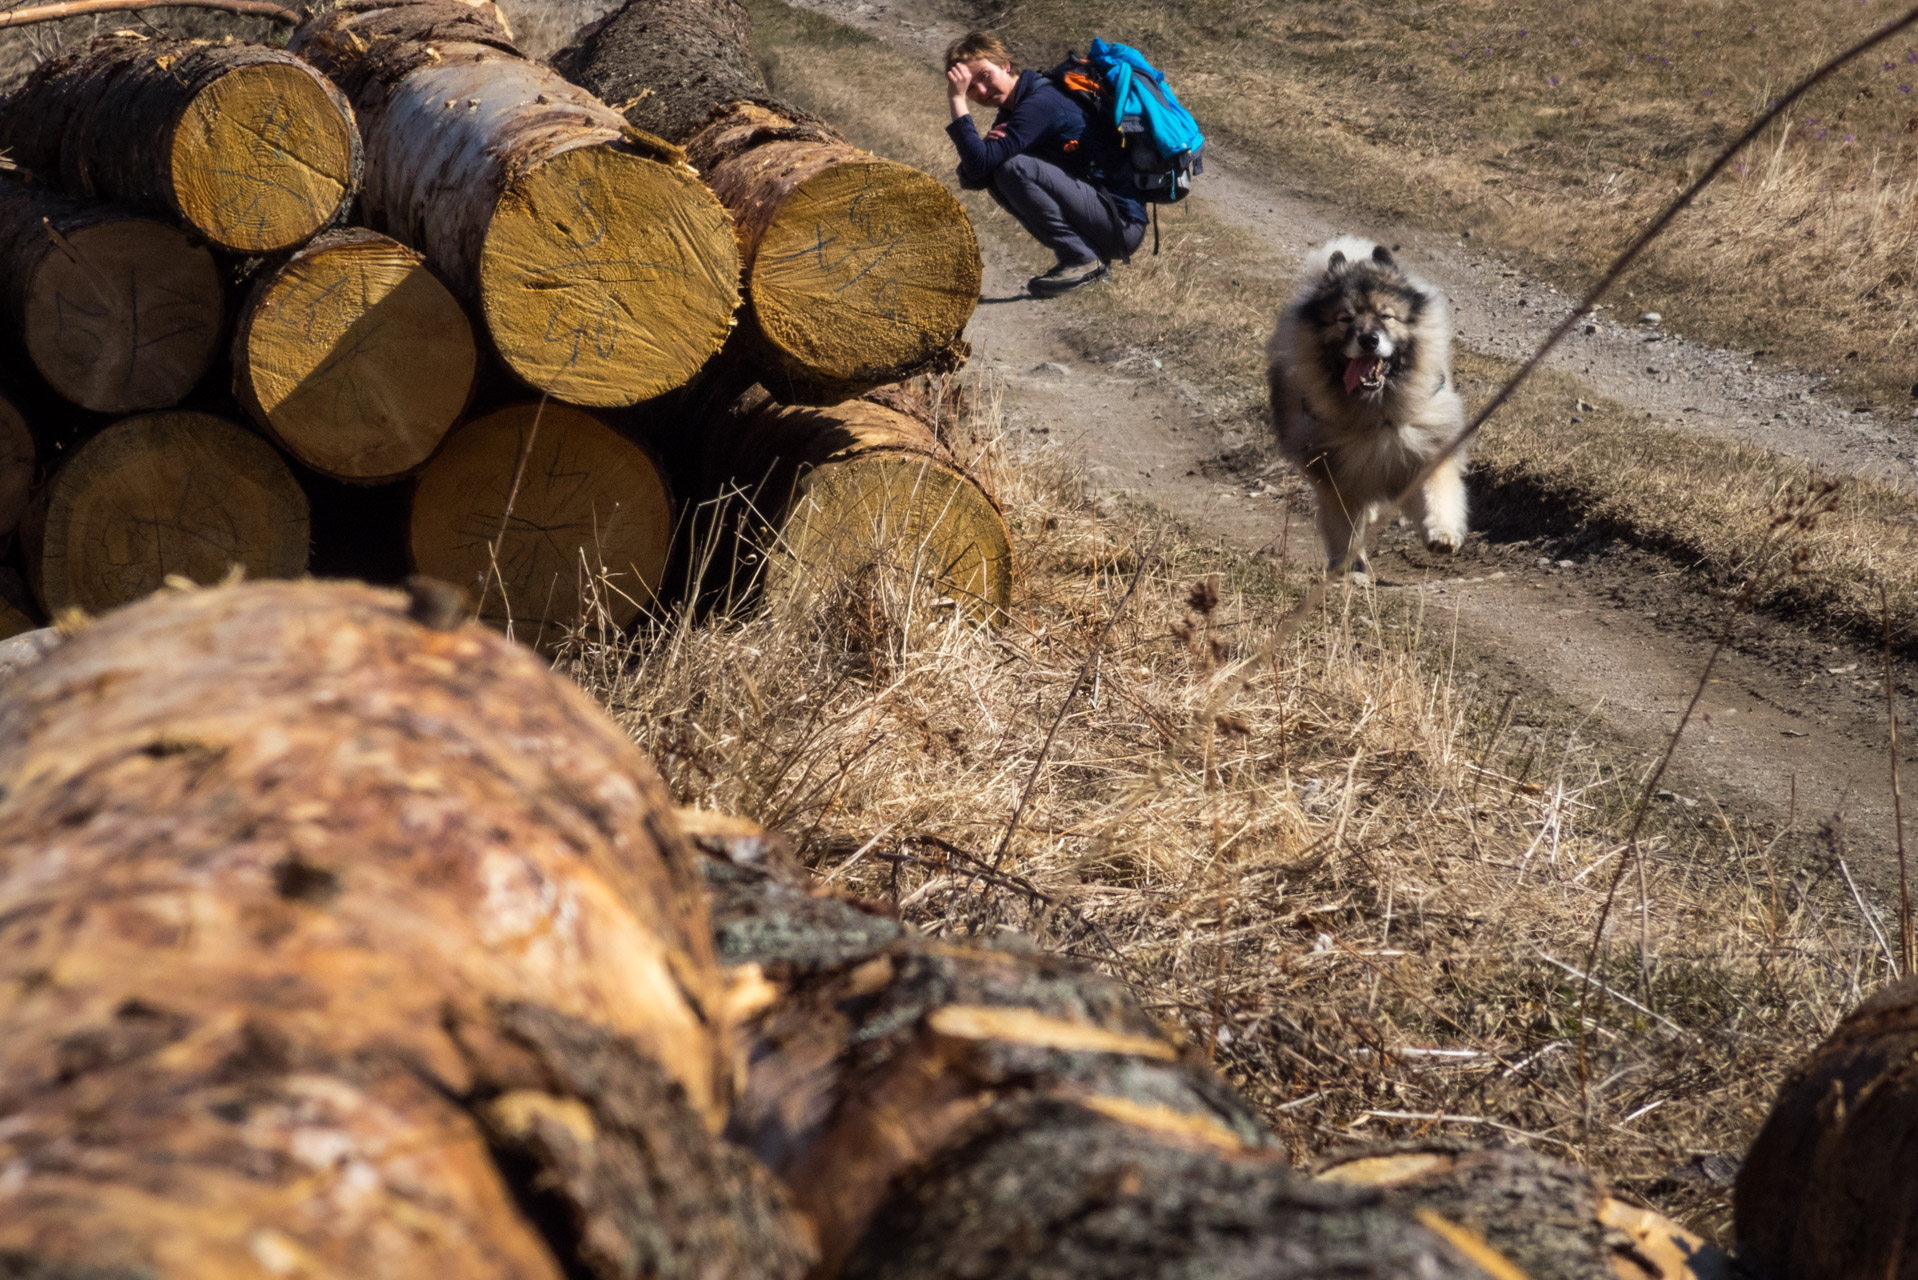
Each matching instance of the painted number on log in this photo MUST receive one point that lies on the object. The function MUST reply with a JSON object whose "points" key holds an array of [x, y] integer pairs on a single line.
{"points": [[862, 242], [602, 330], [256, 182]]}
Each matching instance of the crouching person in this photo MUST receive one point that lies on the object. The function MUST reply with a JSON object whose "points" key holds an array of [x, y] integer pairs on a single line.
{"points": [[1042, 163]]}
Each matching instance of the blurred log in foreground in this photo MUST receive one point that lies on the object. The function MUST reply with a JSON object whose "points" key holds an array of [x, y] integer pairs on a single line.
{"points": [[355, 357], [942, 1111], [861, 494], [602, 268], [859, 270], [248, 146], [161, 495], [581, 518], [118, 312], [1553, 1221], [1830, 1186], [340, 945]]}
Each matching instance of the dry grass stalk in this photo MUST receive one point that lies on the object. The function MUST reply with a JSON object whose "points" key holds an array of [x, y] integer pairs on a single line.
{"points": [[1370, 917]]}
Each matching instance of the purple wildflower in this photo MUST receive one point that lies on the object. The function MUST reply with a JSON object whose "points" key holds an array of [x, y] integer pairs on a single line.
{"points": [[1553, 80], [1904, 88]]}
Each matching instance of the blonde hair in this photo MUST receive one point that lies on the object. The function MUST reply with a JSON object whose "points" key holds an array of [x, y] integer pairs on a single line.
{"points": [[979, 46]]}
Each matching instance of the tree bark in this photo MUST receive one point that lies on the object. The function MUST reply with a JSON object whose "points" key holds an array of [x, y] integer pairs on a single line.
{"points": [[343, 945], [603, 270], [163, 495], [118, 312], [941, 1111], [1830, 1186], [589, 530], [1554, 1221], [859, 271], [857, 492], [249, 147], [355, 357]]}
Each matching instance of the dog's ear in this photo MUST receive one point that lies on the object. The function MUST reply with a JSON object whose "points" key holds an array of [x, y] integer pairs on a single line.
{"points": [[1333, 263], [1382, 256]]}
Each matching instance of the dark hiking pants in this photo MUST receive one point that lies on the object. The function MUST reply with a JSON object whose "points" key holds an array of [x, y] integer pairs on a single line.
{"points": [[1063, 213]]}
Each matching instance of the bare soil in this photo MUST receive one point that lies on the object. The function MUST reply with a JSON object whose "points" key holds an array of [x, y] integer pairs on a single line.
{"points": [[1579, 629]]}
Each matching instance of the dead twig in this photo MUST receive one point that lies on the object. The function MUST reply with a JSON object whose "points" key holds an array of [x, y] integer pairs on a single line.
{"points": [[1045, 748], [77, 8]]}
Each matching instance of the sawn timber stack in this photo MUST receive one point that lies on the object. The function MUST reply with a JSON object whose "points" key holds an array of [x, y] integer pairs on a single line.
{"points": [[249, 147], [337, 944], [604, 272], [860, 271]]}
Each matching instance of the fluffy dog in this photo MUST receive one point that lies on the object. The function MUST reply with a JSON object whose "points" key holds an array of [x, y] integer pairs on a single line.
{"points": [[1360, 370]]}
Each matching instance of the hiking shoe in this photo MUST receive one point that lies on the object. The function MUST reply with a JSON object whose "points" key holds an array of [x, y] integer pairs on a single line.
{"points": [[1066, 277]]}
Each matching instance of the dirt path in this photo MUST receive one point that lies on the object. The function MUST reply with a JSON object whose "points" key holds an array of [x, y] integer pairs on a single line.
{"points": [[1791, 726]]}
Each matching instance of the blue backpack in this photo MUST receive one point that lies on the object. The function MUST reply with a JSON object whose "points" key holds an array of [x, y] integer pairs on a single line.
{"points": [[1159, 143]]}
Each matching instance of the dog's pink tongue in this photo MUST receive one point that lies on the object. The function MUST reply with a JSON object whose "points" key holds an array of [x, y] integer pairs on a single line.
{"points": [[1358, 371]]}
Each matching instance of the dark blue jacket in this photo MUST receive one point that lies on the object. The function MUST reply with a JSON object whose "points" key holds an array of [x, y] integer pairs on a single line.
{"points": [[1041, 121]]}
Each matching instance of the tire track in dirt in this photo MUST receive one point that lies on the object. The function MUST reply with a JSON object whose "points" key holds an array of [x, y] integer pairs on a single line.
{"points": [[1592, 634]]}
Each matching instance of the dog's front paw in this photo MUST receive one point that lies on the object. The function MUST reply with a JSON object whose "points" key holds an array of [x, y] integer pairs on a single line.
{"points": [[1444, 541]]}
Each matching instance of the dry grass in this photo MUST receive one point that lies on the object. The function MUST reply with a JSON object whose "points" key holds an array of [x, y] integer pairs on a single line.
{"points": [[1360, 891], [1554, 131]]}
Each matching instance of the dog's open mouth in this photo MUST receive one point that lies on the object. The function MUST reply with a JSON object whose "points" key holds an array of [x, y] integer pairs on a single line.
{"points": [[1367, 372]]}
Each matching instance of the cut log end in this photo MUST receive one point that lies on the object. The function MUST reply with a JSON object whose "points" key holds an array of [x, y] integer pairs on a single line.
{"points": [[608, 278], [590, 527], [898, 513], [867, 272], [264, 157], [160, 495], [356, 358], [123, 315]]}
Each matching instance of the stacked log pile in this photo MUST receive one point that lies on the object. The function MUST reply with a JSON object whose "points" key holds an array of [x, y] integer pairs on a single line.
{"points": [[859, 271], [242, 278]]}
